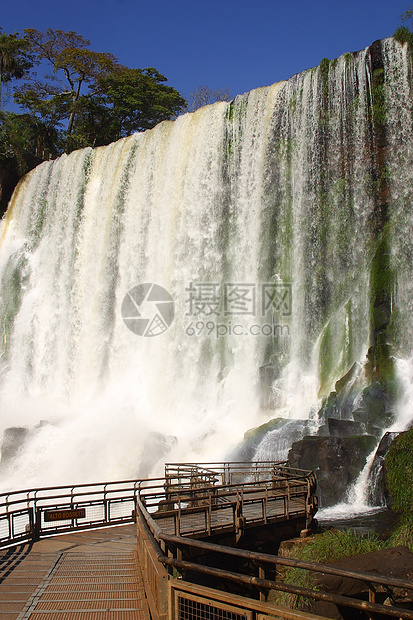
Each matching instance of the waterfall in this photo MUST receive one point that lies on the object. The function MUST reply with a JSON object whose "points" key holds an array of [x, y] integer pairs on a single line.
{"points": [[257, 220]]}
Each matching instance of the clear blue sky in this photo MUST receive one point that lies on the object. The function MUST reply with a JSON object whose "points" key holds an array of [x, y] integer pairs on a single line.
{"points": [[237, 44]]}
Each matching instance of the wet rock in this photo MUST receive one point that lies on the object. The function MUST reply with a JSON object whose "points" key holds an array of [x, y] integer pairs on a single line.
{"points": [[253, 437], [14, 438], [337, 461], [375, 406], [156, 446], [393, 562], [379, 495], [343, 428]]}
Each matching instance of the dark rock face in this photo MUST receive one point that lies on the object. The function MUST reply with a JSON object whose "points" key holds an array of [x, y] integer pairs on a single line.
{"points": [[252, 438], [14, 439], [8, 181], [379, 495], [337, 461], [394, 562], [156, 446], [343, 428]]}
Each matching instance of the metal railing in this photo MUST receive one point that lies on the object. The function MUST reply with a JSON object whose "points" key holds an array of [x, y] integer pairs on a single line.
{"points": [[183, 556], [190, 490], [156, 548], [32, 513], [202, 500], [24, 514]]}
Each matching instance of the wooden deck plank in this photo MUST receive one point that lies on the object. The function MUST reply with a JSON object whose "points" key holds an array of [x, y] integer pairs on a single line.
{"points": [[94, 575]]}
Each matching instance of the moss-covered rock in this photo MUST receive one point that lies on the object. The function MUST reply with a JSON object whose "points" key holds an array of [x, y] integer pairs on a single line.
{"points": [[398, 474], [253, 437]]}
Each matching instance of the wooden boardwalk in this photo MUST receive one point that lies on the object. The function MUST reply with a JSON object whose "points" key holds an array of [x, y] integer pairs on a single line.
{"points": [[91, 575], [221, 518]]}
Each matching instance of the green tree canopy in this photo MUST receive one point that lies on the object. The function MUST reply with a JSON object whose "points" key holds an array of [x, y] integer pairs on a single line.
{"points": [[90, 96], [139, 99], [15, 58], [74, 67]]}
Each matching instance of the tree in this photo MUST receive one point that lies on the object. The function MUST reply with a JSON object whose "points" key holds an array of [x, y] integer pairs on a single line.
{"points": [[127, 100], [69, 57], [407, 15], [15, 58], [203, 95], [138, 99], [25, 141], [404, 34], [99, 99]]}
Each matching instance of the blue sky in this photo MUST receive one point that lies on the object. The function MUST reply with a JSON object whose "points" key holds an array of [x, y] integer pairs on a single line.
{"points": [[238, 44]]}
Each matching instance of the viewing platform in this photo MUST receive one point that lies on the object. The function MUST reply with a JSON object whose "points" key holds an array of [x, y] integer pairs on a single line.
{"points": [[199, 543]]}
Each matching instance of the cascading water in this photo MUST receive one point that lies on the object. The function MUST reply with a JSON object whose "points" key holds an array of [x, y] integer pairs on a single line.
{"points": [[261, 218]]}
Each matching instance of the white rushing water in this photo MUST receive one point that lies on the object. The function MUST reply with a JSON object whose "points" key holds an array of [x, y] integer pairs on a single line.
{"points": [[255, 216]]}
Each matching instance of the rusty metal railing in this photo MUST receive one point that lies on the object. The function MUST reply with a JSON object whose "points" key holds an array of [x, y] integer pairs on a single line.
{"points": [[33, 513], [202, 500], [171, 551], [182, 553], [29, 514]]}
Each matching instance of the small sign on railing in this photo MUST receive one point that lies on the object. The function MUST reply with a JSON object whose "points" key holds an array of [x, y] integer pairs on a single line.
{"points": [[64, 515]]}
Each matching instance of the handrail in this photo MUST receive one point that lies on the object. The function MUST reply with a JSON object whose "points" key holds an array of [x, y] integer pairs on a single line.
{"points": [[170, 549], [22, 514], [21, 511]]}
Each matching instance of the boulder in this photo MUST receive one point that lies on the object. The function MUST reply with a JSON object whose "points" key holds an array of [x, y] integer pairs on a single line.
{"points": [[156, 446], [252, 438], [343, 428], [14, 439], [378, 493], [337, 461], [392, 562]]}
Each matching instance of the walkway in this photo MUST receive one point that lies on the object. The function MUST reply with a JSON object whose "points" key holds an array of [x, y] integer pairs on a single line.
{"points": [[90, 575]]}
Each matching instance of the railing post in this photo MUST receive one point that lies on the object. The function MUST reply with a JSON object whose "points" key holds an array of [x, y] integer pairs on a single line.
{"points": [[37, 524], [209, 513], [261, 575], [266, 504]]}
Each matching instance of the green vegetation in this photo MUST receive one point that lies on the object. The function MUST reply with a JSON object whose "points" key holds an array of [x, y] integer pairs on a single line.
{"points": [[348, 57], [335, 545], [326, 360], [378, 98], [82, 98], [399, 476], [403, 35], [331, 546], [324, 72], [15, 59]]}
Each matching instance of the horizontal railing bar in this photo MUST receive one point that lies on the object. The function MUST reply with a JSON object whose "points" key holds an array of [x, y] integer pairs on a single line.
{"points": [[265, 557], [176, 488], [38, 499], [337, 599], [138, 482], [251, 486], [74, 486], [290, 562]]}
